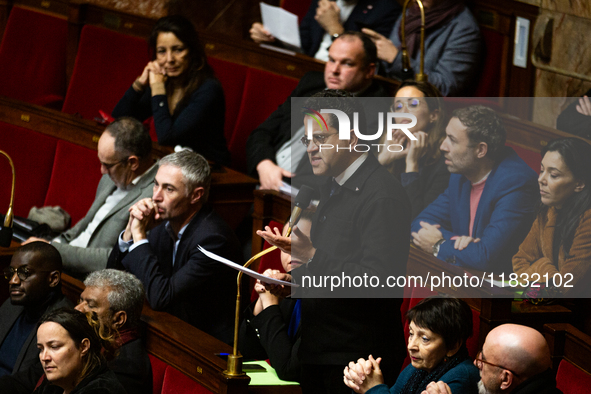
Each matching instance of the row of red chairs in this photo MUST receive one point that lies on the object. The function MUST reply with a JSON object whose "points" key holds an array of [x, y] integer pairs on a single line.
{"points": [[107, 62]]}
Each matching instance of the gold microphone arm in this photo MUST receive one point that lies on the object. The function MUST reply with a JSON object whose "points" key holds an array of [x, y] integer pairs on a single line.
{"points": [[420, 76], [235, 359], [9, 214]]}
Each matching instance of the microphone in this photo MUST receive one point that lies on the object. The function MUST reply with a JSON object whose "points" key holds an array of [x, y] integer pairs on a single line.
{"points": [[6, 230], [302, 201]]}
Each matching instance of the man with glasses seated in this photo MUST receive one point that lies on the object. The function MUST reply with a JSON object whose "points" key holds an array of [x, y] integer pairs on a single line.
{"points": [[124, 152], [34, 285], [515, 359]]}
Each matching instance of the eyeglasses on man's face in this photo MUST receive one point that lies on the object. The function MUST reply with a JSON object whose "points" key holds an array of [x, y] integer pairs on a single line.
{"points": [[108, 166], [23, 273], [480, 363], [318, 139]]}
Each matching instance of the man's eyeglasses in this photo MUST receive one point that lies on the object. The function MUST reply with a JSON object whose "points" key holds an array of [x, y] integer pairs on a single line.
{"points": [[411, 104], [480, 361], [318, 139], [108, 166], [23, 273]]}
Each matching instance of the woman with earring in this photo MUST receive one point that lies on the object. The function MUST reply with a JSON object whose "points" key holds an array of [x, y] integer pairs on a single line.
{"points": [[421, 165], [558, 246]]}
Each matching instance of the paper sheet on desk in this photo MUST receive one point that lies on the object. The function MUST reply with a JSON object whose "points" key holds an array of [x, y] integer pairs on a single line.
{"points": [[282, 24], [247, 271]]}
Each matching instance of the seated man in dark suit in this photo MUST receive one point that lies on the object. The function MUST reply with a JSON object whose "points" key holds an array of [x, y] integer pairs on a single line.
{"points": [[117, 298], [34, 283], [124, 151], [273, 152], [178, 277], [327, 19], [488, 208]]}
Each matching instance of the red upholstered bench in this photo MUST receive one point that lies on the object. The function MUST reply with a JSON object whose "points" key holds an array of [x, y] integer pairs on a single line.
{"points": [[169, 380], [232, 77], [571, 357], [533, 159], [33, 155], [74, 178], [38, 79], [49, 171], [263, 93], [106, 64]]}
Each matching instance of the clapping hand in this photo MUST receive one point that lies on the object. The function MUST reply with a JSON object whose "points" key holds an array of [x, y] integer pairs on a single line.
{"points": [[363, 375]]}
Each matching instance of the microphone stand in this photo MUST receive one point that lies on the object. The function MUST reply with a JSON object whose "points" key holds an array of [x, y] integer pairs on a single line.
{"points": [[235, 359], [6, 231]]}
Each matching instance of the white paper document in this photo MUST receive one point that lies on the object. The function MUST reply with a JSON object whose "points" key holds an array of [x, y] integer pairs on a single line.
{"points": [[282, 24], [247, 271]]}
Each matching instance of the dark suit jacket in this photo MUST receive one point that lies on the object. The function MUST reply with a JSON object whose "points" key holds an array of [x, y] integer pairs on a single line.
{"points": [[131, 366], [362, 229], [378, 15], [266, 336], [264, 142], [29, 353], [196, 289]]}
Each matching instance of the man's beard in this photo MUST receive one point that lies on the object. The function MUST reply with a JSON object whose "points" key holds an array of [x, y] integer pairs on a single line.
{"points": [[483, 390]]}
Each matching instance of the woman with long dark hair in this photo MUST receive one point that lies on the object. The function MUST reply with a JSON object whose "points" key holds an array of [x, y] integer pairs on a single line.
{"points": [[178, 87], [559, 241], [438, 331], [421, 165], [71, 347]]}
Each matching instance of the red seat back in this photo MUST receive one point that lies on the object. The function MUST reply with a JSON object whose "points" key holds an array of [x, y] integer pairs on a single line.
{"points": [[298, 7], [75, 176], [176, 382], [158, 370], [488, 85], [263, 93], [533, 159], [106, 65], [38, 79], [232, 77], [572, 380], [33, 154]]}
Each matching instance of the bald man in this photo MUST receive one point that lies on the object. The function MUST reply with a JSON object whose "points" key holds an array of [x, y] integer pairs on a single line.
{"points": [[515, 359], [34, 284]]}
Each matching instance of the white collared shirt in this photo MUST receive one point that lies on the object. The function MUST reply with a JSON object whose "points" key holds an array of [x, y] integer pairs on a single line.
{"points": [[348, 173]]}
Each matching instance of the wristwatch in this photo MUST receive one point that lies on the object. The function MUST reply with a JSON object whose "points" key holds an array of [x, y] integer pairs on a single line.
{"points": [[437, 245], [334, 36]]}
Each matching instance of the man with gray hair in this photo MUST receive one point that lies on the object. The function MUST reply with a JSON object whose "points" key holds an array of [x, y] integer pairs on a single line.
{"points": [[124, 151], [178, 277], [117, 298]]}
